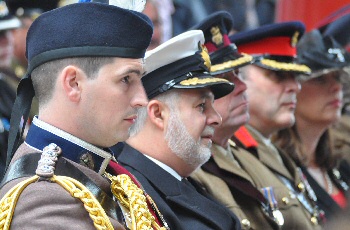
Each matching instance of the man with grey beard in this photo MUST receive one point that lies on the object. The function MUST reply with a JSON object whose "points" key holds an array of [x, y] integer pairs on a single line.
{"points": [[172, 135]]}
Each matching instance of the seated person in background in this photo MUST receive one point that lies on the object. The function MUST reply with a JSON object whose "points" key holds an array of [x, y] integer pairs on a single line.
{"points": [[318, 107], [272, 86], [232, 175], [172, 136]]}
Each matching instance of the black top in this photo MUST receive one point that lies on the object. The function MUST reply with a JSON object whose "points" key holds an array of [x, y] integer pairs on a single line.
{"points": [[324, 200]]}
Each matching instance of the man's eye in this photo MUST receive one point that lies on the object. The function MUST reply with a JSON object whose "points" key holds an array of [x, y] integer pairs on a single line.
{"points": [[201, 106], [126, 79]]}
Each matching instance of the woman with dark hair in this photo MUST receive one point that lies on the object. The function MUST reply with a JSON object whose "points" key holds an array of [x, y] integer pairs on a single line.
{"points": [[318, 107]]}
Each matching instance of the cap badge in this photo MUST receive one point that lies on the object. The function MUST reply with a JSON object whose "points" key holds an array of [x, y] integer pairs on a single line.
{"points": [[87, 160], [294, 39], [205, 56], [3, 9], [216, 35], [337, 52]]}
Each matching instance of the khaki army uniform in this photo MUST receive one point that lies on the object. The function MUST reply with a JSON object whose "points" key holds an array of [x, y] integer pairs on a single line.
{"points": [[248, 210], [274, 169]]}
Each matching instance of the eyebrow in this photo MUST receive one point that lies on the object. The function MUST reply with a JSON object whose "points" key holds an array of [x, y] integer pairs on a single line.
{"points": [[129, 71]]}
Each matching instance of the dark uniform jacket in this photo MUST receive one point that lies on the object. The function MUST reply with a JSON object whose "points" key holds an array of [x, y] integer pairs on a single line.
{"points": [[47, 205], [184, 206], [278, 171]]}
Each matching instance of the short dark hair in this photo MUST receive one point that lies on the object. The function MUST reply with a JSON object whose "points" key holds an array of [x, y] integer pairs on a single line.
{"points": [[45, 75]]}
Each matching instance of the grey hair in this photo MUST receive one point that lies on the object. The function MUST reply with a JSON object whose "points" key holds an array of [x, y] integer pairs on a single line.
{"points": [[169, 98]]}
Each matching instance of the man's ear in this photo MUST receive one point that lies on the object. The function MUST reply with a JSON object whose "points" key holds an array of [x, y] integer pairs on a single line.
{"points": [[158, 113], [71, 80]]}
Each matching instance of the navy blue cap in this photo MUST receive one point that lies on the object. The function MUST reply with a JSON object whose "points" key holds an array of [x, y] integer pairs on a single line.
{"points": [[78, 30], [223, 54], [182, 63], [321, 53], [88, 29], [274, 45]]}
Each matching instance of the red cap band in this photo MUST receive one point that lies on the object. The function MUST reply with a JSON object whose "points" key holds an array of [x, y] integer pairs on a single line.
{"points": [[212, 47], [273, 46]]}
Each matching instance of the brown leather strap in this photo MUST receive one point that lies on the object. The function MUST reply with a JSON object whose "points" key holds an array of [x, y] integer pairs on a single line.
{"points": [[236, 183]]}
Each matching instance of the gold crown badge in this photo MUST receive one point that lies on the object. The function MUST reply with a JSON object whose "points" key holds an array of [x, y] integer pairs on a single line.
{"points": [[216, 35]]}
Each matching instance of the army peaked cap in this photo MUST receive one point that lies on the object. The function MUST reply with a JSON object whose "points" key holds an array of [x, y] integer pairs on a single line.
{"points": [[7, 20], [223, 54], [274, 45]]}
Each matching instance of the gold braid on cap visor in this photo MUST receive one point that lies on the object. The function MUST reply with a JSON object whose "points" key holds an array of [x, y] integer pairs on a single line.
{"points": [[286, 66], [229, 64], [199, 81]]}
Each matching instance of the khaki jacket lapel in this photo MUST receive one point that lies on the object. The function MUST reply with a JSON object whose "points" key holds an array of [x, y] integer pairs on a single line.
{"points": [[225, 160], [270, 156]]}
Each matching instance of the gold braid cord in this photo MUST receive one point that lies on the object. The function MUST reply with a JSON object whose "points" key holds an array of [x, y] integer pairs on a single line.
{"points": [[74, 187], [94, 208], [134, 200], [286, 66], [8, 202], [233, 63]]}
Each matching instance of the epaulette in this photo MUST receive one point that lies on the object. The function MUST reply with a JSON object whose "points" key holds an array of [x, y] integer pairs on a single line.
{"points": [[45, 171], [124, 189]]}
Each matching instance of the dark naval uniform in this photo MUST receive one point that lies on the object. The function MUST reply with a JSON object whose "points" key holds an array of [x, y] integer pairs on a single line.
{"points": [[183, 205], [294, 197]]}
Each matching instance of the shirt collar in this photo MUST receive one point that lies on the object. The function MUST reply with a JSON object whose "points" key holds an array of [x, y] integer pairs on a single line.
{"points": [[165, 167]]}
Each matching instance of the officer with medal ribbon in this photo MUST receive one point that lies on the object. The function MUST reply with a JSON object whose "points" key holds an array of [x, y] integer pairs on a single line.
{"points": [[172, 135], [85, 67], [223, 175], [272, 86]]}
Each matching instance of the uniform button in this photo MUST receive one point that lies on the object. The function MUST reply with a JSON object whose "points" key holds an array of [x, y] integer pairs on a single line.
{"points": [[245, 223], [301, 187], [285, 200], [314, 220]]}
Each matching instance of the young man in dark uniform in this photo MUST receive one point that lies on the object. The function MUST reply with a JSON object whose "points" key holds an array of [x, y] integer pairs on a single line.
{"points": [[85, 67]]}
